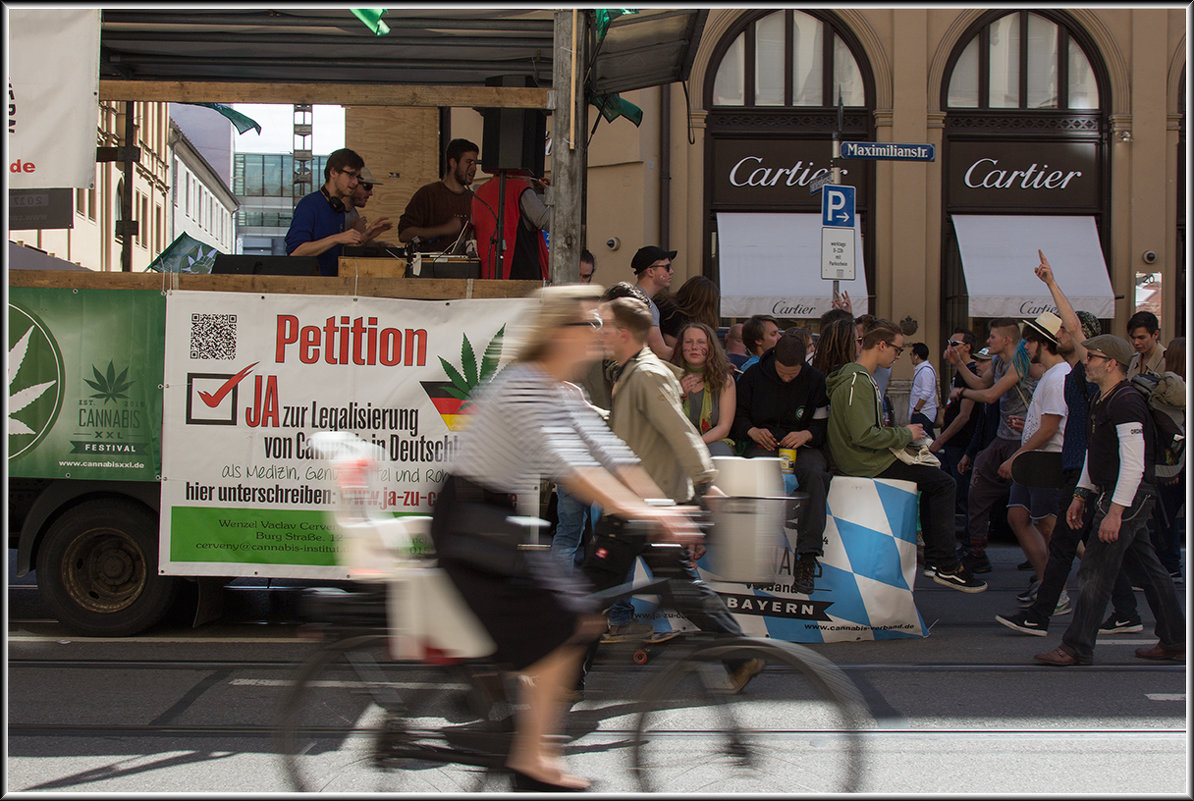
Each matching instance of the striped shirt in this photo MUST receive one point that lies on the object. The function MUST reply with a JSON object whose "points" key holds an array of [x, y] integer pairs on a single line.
{"points": [[527, 427]]}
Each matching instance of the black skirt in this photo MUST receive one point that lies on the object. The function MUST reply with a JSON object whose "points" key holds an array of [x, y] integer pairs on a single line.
{"points": [[528, 614]]}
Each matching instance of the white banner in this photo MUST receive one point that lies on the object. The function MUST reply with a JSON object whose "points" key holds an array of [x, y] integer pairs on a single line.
{"points": [[53, 96], [249, 379]]}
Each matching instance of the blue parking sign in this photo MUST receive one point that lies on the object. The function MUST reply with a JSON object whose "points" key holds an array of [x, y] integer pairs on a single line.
{"points": [[837, 206]]}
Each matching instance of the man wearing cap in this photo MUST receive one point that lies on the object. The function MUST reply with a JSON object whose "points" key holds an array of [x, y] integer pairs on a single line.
{"points": [[1032, 511], [652, 267], [360, 196], [318, 227], [1113, 482], [1076, 326]]}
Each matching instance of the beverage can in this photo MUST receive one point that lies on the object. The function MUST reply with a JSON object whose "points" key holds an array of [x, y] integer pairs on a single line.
{"points": [[787, 460]]}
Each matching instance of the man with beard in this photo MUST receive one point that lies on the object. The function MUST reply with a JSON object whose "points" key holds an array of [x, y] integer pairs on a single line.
{"points": [[437, 212]]}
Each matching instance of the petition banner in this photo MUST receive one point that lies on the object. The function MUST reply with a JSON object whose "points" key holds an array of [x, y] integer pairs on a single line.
{"points": [[250, 378], [53, 96]]}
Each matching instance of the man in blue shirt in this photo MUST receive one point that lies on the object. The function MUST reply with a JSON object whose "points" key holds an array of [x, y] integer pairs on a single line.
{"points": [[318, 227]]}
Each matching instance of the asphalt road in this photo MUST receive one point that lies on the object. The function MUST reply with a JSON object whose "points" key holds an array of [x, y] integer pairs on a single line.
{"points": [[962, 711]]}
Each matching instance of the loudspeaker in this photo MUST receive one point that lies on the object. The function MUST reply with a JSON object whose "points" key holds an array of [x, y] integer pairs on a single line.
{"points": [[513, 138]]}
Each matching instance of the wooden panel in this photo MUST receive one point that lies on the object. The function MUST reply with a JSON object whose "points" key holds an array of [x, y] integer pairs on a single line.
{"points": [[402, 141], [326, 94], [413, 288], [372, 268]]}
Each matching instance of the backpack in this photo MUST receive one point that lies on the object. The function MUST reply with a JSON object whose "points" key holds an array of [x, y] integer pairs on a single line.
{"points": [[1166, 398]]}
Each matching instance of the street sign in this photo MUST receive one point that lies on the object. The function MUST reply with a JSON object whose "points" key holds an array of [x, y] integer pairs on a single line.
{"points": [[888, 151], [837, 254], [837, 206], [815, 185]]}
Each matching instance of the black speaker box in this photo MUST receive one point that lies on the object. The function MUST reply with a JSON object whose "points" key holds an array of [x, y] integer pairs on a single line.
{"points": [[513, 138]]}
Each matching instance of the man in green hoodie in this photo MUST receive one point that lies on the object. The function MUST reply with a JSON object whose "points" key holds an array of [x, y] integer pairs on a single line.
{"points": [[860, 445]]}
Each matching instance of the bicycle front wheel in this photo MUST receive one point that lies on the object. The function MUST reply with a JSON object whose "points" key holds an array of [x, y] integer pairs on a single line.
{"points": [[793, 729], [356, 721]]}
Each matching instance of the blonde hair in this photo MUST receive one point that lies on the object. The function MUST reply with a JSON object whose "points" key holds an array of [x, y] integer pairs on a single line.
{"points": [[558, 305]]}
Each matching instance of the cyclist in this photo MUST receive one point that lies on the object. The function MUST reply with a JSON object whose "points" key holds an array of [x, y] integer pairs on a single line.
{"points": [[529, 424]]}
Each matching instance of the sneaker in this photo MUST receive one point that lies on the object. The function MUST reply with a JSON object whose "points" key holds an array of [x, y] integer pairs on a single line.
{"points": [[930, 571], [1064, 606], [977, 562], [959, 579], [1021, 622], [737, 679], [806, 570], [1117, 625], [1028, 597], [628, 631]]}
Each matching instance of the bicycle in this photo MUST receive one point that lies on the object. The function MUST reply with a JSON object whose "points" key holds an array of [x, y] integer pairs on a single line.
{"points": [[356, 720]]}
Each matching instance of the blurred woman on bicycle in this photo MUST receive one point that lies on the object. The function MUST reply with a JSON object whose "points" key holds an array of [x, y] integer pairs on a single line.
{"points": [[531, 424], [709, 396]]}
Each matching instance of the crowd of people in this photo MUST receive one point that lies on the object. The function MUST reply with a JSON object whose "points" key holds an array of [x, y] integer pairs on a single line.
{"points": [[623, 396]]}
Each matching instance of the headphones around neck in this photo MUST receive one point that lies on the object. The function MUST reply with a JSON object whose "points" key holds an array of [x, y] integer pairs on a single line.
{"points": [[336, 203]]}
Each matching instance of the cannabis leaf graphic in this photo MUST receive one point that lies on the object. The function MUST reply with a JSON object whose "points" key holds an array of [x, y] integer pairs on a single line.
{"points": [[110, 386], [463, 383], [21, 398]]}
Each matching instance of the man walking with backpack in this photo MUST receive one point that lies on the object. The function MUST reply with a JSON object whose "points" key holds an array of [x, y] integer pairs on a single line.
{"points": [[1116, 480]]}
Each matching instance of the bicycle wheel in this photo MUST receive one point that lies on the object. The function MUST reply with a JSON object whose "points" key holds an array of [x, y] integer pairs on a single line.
{"points": [[356, 721], [793, 729]]}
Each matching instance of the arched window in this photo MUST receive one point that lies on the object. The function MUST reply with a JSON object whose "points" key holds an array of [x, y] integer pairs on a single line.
{"points": [[1023, 60], [788, 58]]}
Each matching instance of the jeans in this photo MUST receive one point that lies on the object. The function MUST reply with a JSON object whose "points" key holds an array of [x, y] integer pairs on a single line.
{"points": [[986, 488], [929, 426], [936, 509], [1165, 532], [570, 527], [1063, 547], [812, 475], [950, 455], [1101, 563]]}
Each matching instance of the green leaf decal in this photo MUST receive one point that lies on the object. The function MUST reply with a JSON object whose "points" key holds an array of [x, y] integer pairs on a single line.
{"points": [[493, 354], [468, 361], [110, 387], [454, 375]]}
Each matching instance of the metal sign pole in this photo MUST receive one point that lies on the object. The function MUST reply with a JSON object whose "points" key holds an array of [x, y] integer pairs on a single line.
{"points": [[835, 171]]}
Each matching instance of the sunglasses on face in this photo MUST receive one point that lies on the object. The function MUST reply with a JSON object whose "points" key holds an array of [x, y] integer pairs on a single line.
{"points": [[955, 344], [593, 322], [367, 187]]}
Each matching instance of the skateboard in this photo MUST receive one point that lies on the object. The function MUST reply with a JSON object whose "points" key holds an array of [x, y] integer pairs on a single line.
{"points": [[642, 655], [1038, 469]]}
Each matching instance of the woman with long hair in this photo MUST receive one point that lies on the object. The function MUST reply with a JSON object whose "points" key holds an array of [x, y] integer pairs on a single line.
{"points": [[709, 397], [530, 423], [697, 300]]}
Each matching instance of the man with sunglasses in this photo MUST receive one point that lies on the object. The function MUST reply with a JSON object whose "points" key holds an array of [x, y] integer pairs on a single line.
{"points": [[318, 227], [959, 418], [860, 445], [360, 196], [652, 267]]}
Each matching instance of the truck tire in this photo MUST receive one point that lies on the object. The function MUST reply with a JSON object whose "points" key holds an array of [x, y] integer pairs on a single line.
{"points": [[97, 567]]}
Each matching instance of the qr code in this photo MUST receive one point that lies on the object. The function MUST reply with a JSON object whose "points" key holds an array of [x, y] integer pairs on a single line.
{"points": [[213, 336]]}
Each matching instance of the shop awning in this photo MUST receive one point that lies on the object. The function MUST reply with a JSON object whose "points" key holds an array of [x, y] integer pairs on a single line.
{"points": [[999, 256], [771, 264]]}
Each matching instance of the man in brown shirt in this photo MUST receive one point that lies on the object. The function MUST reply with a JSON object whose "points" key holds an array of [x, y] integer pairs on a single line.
{"points": [[439, 211]]}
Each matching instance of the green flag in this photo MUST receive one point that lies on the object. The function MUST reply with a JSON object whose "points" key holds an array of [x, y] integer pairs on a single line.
{"points": [[184, 255], [372, 19], [613, 106], [605, 16], [241, 122]]}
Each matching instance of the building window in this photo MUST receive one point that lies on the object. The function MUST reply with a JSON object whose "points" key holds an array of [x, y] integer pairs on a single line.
{"points": [[788, 58], [143, 223], [1023, 60], [80, 201]]}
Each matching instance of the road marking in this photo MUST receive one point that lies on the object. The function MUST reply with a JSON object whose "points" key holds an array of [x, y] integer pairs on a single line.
{"points": [[1165, 696]]}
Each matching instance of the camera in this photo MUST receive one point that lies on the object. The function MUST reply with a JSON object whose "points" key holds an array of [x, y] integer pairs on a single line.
{"points": [[613, 243], [1149, 256]]}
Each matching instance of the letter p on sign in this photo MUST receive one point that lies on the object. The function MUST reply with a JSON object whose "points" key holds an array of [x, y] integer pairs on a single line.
{"points": [[837, 206]]}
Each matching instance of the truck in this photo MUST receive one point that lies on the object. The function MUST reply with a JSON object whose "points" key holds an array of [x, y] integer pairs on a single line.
{"points": [[159, 424]]}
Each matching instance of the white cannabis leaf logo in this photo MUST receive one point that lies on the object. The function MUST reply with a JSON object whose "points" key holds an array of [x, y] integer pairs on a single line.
{"points": [[19, 399]]}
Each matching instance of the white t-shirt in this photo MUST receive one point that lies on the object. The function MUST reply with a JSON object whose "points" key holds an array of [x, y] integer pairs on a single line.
{"points": [[1048, 398]]}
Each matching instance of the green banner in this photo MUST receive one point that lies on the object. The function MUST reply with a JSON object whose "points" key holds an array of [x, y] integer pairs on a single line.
{"points": [[85, 383], [260, 536]]}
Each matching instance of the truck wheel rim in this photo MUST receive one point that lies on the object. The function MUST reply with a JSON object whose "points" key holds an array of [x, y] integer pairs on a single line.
{"points": [[104, 571]]}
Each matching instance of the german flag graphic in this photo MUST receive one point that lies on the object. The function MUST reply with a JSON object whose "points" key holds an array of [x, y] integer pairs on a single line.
{"points": [[449, 408], [450, 397]]}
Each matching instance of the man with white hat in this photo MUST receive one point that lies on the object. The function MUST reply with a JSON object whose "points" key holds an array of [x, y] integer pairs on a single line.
{"points": [[1032, 511], [360, 196]]}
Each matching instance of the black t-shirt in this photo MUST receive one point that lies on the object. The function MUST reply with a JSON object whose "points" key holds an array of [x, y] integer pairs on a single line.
{"points": [[1122, 406], [954, 408]]}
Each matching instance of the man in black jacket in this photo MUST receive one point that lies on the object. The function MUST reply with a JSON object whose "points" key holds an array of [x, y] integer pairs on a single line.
{"points": [[783, 404]]}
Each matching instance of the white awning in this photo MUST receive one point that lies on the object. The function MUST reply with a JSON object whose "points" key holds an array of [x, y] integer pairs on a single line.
{"points": [[771, 264], [999, 258]]}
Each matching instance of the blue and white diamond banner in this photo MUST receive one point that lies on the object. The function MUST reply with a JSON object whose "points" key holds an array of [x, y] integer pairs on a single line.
{"points": [[868, 571]]}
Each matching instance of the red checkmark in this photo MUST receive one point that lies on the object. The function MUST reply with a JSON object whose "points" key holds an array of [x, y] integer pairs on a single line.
{"points": [[214, 400]]}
